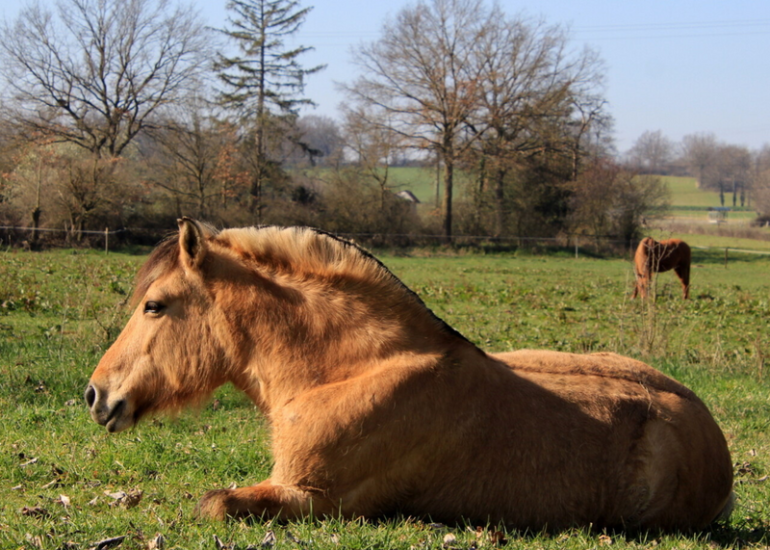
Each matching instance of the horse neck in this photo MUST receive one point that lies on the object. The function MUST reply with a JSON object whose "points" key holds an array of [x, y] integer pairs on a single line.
{"points": [[312, 333]]}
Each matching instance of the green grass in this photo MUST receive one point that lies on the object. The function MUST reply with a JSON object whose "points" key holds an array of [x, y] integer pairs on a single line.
{"points": [[715, 241], [685, 195], [60, 310], [685, 192]]}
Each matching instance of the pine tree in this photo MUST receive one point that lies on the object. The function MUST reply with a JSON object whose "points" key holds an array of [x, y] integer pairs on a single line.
{"points": [[265, 82]]}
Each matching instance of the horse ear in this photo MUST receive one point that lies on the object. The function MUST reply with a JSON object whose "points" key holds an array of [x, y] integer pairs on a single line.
{"points": [[192, 242]]}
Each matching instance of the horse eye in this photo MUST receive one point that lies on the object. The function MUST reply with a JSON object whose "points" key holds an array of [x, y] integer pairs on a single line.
{"points": [[153, 307]]}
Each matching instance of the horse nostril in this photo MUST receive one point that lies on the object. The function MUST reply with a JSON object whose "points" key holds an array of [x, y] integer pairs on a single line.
{"points": [[90, 396]]}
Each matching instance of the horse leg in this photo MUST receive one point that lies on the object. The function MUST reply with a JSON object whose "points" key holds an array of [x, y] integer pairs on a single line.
{"points": [[641, 287], [683, 272], [264, 500]]}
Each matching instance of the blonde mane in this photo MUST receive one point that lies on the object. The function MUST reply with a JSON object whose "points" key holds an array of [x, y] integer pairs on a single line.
{"points": [[303, 250]]}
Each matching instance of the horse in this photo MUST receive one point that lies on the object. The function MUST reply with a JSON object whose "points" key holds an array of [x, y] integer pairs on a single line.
{"points": [[656, 257], [378, 408]]}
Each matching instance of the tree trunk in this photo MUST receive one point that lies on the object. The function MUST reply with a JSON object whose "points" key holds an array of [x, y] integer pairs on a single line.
{"points": [[448, 182], [35, 225], [502, 217]]}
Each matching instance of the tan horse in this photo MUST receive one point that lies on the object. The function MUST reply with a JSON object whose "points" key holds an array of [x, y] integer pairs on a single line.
{"points": [[377, 407], [656, 257]]}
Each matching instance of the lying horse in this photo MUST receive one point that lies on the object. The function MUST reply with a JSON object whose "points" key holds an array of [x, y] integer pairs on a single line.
{"points": [[377, 407], [656, 257]]}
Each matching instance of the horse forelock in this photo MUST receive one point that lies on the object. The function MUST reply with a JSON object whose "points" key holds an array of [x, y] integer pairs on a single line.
{"points": [[164, 258]]}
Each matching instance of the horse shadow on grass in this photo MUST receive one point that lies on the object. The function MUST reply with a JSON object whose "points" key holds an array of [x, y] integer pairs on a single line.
{"points": [[465, 535]]}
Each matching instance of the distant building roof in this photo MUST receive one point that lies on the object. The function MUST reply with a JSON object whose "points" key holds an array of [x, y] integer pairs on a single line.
{"points": [[408, 196]]}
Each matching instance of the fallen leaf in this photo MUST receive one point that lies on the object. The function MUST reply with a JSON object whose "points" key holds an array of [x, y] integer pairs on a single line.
{"points": [[50, 484], [605, 540], [157, 543], [268, 540], [107, 543], [64, 500], [293, 538], [126, 499], [35, 541], [498, 537], [221, 545], [35, 512], [449, 540]]}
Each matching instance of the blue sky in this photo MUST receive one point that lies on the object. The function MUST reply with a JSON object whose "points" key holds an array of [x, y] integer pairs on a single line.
{"points": [[678, 66]]}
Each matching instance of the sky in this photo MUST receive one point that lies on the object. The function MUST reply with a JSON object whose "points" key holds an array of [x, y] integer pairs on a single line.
{"points": [[675, 66]]}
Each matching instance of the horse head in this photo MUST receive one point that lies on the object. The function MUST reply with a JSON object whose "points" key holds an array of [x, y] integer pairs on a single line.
{"points": [[168, 354]]}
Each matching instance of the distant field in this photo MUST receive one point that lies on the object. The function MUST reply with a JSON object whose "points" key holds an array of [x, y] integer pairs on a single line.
{"points": [[685, 192], [420, 181], [714, 241]]}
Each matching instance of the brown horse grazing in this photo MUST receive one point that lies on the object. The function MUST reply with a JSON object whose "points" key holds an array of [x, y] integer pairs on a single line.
{"points": [[653, 256], [377, 407]]}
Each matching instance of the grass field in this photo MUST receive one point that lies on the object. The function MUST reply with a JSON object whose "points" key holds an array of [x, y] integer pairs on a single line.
{"points": [[685, 192], [687, 201], [67, 484]]}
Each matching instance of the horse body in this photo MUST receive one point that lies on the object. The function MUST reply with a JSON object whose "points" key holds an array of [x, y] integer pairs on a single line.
{"points": [[656, 257], [377, 407]]}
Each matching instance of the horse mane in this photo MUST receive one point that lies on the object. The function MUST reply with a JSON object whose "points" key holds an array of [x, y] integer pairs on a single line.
{"points": [[298, 250]]}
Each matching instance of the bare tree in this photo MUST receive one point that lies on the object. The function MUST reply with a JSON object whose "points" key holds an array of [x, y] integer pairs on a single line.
{"points": [[535, 94], [372, 146], [610, 201], [760, 182], [700, 155], [651, 153], [95, 73], [420, 75], [319, 140], [185, 154], [732, 172]]}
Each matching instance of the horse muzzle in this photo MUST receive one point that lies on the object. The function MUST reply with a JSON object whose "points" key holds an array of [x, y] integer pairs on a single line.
{"points": [[115, 414]]}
